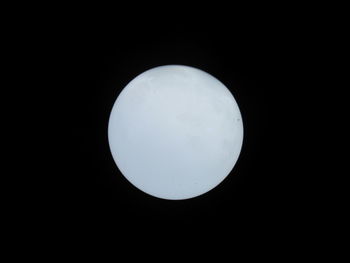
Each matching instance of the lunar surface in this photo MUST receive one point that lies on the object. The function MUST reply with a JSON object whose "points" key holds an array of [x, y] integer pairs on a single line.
{"points": [[175, 132]]}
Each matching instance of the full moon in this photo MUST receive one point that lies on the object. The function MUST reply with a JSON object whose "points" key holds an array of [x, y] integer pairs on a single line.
{"points": [[175, 132]]}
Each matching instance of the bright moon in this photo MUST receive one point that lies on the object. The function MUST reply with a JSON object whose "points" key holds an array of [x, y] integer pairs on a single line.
{"points": [[175, 132]]}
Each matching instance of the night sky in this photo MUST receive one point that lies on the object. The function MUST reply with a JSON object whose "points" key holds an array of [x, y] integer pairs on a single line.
{"points": [[90, 58]]}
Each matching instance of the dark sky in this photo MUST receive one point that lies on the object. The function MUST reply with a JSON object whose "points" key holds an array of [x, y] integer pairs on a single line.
{"points": [[90, 58]]}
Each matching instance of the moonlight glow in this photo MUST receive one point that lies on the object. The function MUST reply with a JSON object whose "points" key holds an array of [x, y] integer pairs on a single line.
{"points": [[175, 132]]}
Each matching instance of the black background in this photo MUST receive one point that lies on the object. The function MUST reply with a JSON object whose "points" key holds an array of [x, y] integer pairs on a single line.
{"points": [[90, 57]]}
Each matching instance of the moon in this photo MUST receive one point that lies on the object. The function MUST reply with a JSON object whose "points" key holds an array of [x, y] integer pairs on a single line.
{"points": [[175, 132]]}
